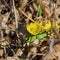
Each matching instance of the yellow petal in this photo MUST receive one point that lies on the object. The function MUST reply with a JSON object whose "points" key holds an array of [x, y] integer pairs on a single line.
{"points": [[39, 22], [47, 25], [57, 26], [33, 28]]}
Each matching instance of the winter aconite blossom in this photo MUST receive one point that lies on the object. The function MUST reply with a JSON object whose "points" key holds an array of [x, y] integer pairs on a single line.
{"points": [[47, 25], [37, 27], [33, 28]]}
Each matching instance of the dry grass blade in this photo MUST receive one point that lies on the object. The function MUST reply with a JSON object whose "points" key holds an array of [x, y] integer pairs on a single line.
{"points": [[15, 12], [25, 15], [36, 55]]}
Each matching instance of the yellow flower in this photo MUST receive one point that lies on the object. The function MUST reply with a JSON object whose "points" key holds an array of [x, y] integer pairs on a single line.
{"points": [[47, 25], [40, 23], [33, 28], [57, 26]]}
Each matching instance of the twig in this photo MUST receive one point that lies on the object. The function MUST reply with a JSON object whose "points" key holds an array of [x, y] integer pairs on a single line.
{"points": [[2, 35], [15, 12], [25, 15], [36, 55]]}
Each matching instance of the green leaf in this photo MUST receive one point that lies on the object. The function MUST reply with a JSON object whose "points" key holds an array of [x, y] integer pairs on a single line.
{"points": [[30, 38], [27, 36], [33, 38], [40, 11], [41, 36]]}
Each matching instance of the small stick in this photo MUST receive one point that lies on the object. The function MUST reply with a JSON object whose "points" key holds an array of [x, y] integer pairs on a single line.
{"points": [[25, 15], [16, 19], [36, 55]]}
